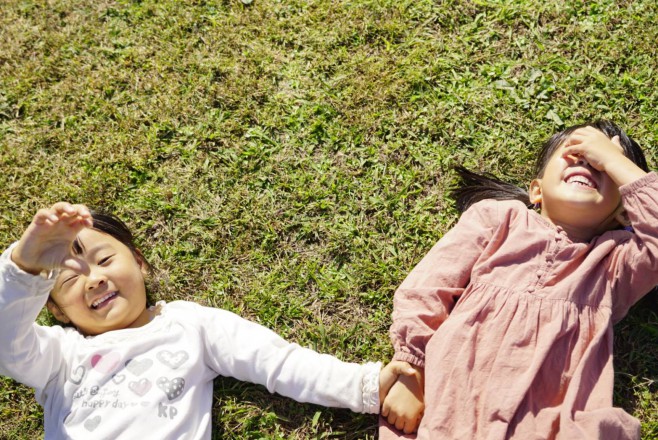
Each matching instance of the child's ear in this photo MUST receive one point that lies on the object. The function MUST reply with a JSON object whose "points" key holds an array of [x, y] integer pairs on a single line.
{"points": [[534, 191], [57, 312], [143, 265]]}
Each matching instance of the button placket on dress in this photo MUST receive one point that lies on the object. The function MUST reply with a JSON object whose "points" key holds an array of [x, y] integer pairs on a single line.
{"points": [[546, 265]]}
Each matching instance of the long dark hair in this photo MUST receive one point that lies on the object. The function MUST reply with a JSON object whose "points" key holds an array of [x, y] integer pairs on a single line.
{"points": [[473, 187]]}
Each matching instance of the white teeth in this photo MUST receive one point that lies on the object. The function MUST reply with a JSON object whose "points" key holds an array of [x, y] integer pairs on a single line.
{"points": [[102, 299], [582, 180]]}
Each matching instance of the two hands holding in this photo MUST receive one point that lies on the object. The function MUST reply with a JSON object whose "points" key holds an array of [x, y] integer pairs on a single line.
{"points": [[401, 395], [46, 245]]}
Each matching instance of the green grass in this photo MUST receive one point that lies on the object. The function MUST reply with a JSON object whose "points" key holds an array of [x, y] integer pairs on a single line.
{"points": [[289, 160]]}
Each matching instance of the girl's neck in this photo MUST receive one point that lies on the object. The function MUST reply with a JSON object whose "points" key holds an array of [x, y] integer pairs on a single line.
{"points": [[144, 318], [575, 233], [583, 232]]}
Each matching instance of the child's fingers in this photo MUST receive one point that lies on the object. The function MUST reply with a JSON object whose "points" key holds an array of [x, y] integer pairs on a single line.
{"points": [[409, 427], [407, 423], [574, 150], [82, 210], [61, 210], [44, 215], [413, 425], [386, 409], [69, 210], [403, 368], [399, 423], [73, 213]]}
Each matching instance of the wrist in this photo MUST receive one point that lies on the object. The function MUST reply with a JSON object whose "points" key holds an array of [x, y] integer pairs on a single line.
{"points": [[623, 171], [22, 266]]}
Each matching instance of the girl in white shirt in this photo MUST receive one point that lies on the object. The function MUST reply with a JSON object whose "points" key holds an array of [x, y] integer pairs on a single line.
{"points": [[126, 370]]}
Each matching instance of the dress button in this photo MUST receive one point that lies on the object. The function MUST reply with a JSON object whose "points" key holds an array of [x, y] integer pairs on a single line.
{"points": [[539, 273], [531, 289]]}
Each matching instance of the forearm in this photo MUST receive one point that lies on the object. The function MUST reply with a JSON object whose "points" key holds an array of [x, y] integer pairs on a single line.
{"points": [[248, 351], [417, 313], [623, 171], [22, 297], [427, 296], [307, 376], [633, 267]]}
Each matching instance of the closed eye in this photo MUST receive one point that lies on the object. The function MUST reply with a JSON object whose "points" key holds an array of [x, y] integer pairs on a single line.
{"points": [[71, 278], [105, 260]]}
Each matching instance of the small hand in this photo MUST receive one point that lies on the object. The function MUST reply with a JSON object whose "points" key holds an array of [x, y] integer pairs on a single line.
{"points": [[404, 404], [46, 243], [594, 146], [389, 375]]}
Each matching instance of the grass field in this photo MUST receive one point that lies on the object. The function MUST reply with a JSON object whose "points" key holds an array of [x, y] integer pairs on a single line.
{"points": [[289, 160]]}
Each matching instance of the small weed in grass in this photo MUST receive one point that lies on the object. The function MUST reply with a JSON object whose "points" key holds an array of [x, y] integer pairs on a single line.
{"points": [[289, 160]]}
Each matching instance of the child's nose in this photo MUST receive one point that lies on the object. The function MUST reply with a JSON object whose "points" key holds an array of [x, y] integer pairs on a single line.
{"points": [[577, 160], [95, 281]]}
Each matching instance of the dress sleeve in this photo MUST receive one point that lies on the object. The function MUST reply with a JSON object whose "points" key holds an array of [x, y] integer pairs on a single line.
{"points": [[29, 353], [634, 264], [426, 297], [250, 352]]}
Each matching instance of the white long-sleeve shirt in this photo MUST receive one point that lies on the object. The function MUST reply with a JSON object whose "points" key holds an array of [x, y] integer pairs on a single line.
{"points": [[155, 381]]}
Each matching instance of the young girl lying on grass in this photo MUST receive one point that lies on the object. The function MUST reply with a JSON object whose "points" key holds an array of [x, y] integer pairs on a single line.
{"points": [[509, 317], [125, 370]]}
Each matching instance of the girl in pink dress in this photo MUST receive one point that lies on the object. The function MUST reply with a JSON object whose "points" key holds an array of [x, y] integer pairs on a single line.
{"points": [[508, 318]]}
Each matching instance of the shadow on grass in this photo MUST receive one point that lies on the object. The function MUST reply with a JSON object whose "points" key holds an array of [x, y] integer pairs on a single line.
{"points": [[246, 411], [636, 364]]}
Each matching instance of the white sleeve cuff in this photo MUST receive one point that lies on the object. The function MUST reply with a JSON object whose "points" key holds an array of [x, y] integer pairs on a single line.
{"points": [[370, 387]]}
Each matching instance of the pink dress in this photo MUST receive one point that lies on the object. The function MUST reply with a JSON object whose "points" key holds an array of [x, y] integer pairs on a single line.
{"points": [[512, 321]]}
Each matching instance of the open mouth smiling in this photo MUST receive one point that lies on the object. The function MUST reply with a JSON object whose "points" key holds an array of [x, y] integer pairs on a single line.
{"points": [[100, 302], [581, 180]]}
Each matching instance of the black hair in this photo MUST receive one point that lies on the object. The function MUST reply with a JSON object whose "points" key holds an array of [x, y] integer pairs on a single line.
{"points": [[113, 226], [473, 187]]}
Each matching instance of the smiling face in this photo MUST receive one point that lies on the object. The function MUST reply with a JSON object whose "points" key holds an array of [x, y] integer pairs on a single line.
{"points": [[575, 195], [108, 293]]}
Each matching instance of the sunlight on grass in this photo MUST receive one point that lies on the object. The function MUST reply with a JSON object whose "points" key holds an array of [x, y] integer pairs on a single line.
{"points": [[289, 160]]}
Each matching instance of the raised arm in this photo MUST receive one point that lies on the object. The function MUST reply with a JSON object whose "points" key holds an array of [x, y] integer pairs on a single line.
{"points": [[46, 243], [633, 268], [29, 353]]}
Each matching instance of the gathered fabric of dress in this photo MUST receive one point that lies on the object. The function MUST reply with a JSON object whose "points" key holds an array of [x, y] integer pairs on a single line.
{"points": [[513, 323]]}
